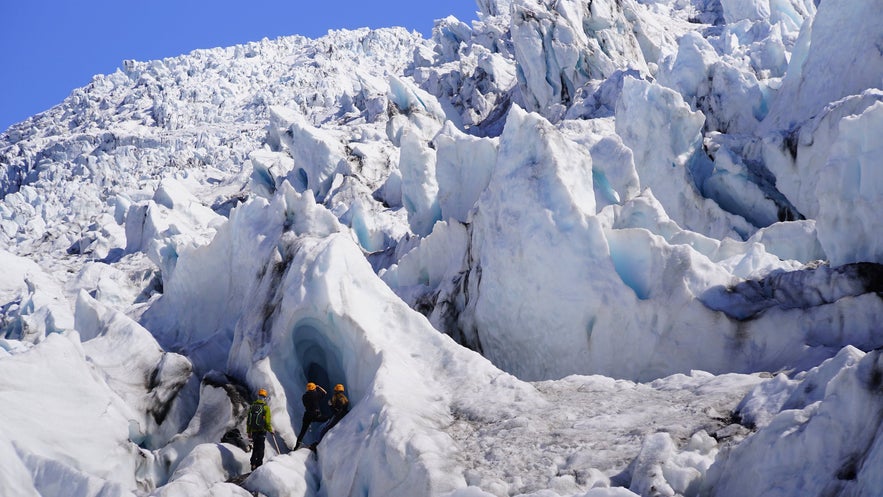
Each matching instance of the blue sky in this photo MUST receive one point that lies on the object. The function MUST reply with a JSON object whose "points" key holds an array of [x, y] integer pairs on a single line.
{"points": [[51, 47]]}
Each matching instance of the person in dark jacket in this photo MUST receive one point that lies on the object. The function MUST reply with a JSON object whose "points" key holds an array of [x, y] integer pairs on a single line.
{"points": [[340, 405], [258, 424], [311, 399]]}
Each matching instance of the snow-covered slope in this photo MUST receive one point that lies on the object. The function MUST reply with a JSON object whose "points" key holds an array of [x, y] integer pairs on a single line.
{"points": [[574, 248]]}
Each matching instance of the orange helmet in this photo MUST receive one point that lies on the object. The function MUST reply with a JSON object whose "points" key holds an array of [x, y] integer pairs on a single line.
{"points": [[338, 388], [311, 386], [262, 392]]}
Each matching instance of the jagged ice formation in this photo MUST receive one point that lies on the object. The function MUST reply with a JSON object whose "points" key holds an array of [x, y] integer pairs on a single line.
{"points": [[582, 248]]}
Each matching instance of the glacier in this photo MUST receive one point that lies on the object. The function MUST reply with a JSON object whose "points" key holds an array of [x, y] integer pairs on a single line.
{"points": [[573, 248]]}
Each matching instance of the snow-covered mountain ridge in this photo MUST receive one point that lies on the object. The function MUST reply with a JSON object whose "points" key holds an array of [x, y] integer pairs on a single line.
{"points": [[574, 248]]}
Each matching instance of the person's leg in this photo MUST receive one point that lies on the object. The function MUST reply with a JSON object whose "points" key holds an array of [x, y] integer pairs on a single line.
{"points": [[304, 426], [257, 453], [334, 419]]}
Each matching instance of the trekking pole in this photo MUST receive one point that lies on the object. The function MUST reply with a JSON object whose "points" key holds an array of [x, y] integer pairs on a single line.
{"points": [[275, 444]]}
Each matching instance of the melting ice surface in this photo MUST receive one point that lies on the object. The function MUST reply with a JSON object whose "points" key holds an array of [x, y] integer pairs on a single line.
{"points": [[598, 249]]}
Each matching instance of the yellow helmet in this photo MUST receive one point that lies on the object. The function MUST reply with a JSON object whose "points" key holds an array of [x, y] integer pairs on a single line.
{"points": [[262, 392], [338, 388], [311, 386]]}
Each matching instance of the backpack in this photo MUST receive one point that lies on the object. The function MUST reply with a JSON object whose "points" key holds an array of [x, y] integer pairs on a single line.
{"points": [[256, 420], [339, 402]]}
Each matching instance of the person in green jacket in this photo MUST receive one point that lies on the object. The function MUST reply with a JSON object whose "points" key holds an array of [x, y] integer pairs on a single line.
{"points": [[258, 424]]}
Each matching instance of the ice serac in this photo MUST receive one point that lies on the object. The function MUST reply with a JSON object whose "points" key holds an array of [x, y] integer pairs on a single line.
{"points": [[561, 46], [86, 447], [168, 223], [418, 117], [540, 197], [471, 71], [420, 275], [793, 240], [671, 163], [838, 55], [216, 414], [825, 91], [319, 154], [799, 158], [204, 327], [135, 367], [725, 86], [36, 305], [207, 468], [493, 7], [832, 445], [419, 184], [850, 190], [464, 165]]}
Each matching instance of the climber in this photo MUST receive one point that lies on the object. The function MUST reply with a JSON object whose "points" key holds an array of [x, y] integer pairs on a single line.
{"points": [[340, 405], [258, 424], [311, 400]]}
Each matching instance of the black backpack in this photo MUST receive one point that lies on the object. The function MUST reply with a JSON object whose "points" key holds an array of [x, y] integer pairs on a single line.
{"points": [[256, 420]]}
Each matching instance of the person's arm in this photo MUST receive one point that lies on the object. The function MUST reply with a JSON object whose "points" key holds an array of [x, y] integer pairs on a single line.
{"points": [[267, 419]]}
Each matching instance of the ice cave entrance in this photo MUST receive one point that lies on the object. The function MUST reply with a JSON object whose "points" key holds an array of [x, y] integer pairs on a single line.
{"points": [[319, 359]]}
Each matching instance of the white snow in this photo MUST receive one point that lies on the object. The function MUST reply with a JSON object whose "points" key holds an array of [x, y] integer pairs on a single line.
{"points": [[582, 249]]}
